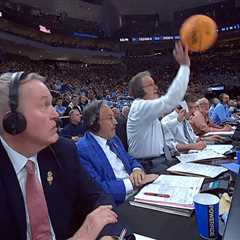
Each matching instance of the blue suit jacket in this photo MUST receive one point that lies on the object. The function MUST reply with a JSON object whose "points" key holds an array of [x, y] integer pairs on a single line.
{"points": [[221, 114], [94, 160], [70, 197]]}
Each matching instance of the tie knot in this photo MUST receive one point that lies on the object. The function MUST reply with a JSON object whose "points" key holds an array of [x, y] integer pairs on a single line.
{"points": [[30, 167]]}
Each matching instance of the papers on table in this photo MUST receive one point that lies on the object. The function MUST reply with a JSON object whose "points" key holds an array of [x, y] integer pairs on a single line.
{"points": [[220, 148], [172, 191], [201, 155], [228, 133], [197, 169], [141, 237]]}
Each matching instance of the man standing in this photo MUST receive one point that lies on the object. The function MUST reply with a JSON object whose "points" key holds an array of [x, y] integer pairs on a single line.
{"points": [[45, 193], [144, 130]]}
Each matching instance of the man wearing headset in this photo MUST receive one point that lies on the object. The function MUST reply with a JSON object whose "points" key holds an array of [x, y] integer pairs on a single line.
{"points": [[146, 139], [45, 193], [104, 156]]}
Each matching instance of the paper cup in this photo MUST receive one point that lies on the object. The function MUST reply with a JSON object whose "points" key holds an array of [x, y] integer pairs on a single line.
{"points": [[207, 211]]}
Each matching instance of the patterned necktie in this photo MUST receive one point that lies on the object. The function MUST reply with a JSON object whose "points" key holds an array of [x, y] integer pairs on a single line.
{"points": [[36, 206], [186, 132], [113, 148]]}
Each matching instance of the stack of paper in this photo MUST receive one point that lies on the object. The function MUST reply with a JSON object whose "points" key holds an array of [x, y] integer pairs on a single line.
{"points": [[170, 192], [202, 155], [219, 148], [141, 237], [228, 133], [197, 169]]}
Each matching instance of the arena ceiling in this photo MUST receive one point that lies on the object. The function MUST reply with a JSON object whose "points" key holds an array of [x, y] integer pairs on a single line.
{"points": [[90, 9], [165, 8]]}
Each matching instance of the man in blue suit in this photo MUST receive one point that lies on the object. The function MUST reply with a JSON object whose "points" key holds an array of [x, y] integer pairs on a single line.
{"points": [[221, 112], [103, 156], [45, 193]]}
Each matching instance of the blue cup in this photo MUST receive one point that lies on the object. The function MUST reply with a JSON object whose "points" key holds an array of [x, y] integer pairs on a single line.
{"points": [[207, 212], [238, 157]]}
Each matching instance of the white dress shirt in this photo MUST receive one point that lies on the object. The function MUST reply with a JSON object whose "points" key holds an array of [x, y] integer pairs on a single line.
{"points": [[19, 163], [116, 164], [145, 138], [170, 123]]}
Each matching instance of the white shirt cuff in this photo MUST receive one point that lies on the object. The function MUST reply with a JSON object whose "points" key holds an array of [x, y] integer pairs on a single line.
{"points": [[137, 168], [128, 185]]}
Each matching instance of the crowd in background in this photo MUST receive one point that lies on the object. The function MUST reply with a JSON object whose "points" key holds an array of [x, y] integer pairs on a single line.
{"points": [[110, 81]]}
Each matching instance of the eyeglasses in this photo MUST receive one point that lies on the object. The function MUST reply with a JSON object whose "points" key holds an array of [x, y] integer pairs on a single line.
{"points": [[149, 85], [112, 119]]}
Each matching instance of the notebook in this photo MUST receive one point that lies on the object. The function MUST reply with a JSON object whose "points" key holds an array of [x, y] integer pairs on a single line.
{"points": [[197, 169], [172, 192]]}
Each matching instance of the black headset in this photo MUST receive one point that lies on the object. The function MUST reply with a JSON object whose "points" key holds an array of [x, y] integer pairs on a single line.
{"points": [[14, 122], [91, 116], [139, 93]]}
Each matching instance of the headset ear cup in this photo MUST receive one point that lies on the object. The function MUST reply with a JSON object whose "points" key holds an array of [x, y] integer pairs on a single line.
{"points": [[14, 123], [94, 127]]}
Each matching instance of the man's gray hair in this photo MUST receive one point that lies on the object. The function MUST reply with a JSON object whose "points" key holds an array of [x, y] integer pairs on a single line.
{"points": [[5, 80], [135, 86]]}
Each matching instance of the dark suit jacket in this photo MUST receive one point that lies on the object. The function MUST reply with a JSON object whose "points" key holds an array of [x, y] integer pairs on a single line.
{"points": [[93, 158], [72, 130], [70, 197], [121, 130]]}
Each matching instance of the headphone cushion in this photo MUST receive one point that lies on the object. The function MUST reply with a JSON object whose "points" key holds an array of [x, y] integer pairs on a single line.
{"points": [[14, 123]]}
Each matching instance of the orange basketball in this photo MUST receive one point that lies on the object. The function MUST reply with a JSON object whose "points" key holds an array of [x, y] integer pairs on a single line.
{"points": [[199, 33]]}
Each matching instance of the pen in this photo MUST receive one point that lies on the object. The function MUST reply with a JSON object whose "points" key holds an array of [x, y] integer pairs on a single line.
{"points": [[122, 234], [157, 194]]}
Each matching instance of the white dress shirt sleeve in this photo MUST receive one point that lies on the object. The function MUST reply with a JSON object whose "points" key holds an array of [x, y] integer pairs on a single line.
{"points": [[153, 109], [170, 123]]}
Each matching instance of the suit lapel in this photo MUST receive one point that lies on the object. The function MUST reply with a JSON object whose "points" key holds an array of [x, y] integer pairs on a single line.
{"points": [[101, 156], [13, 191]]}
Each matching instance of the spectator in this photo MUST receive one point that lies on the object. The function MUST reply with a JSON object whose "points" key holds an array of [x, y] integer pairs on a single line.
{"points": [[60, 109], [75, 128], [214, 103]]}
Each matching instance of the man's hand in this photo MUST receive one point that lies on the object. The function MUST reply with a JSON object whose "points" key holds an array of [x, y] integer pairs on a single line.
{"points": [[181, 115], [136, 177], [227, 128], [200, 145], [95, 222], [149, 178], [214, 138], [181, 55]]}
